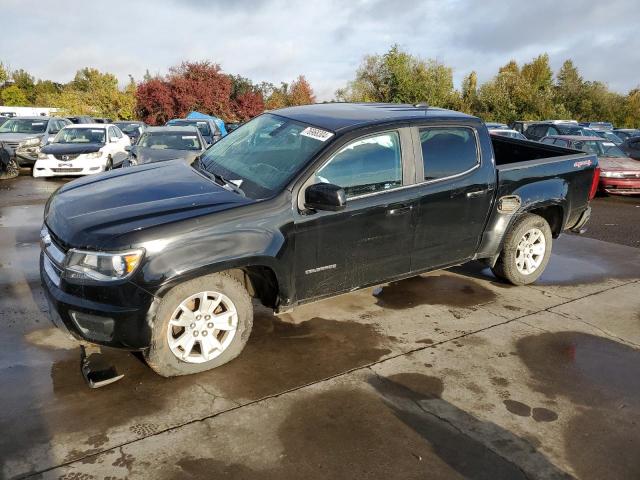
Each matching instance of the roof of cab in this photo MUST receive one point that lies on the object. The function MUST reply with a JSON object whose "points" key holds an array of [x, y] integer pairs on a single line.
{"points": [[345, 116]]}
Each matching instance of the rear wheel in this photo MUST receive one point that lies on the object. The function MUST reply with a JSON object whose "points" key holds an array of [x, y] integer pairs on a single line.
{"points": [[526, 251], [200, 324]]}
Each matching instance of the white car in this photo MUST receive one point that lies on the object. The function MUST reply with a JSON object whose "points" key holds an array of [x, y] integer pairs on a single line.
{"points": [[82, 150]]}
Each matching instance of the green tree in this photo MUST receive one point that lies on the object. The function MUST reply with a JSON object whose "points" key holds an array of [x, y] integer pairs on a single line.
{"points": [[25, 82], [4, 74], [14, 96], [400, 77]]}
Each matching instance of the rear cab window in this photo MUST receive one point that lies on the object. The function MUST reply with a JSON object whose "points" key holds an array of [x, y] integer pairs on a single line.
{"points": [[448, 151]]}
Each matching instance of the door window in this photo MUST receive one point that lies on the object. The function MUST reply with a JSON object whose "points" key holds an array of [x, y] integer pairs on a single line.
{"points": [[112, 134], [448, 151], [367, 165]]}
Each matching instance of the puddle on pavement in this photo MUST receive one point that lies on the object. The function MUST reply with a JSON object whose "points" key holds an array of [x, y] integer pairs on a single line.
{"points": [[589, 370], [602, 378], [574, 261], [467, 456], [58, 401], [282, 355], [337, 434], [433, 290]]}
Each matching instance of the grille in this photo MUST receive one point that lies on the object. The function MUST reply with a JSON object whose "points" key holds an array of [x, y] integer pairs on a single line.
{"points": [[66, 170], [67, 157]]}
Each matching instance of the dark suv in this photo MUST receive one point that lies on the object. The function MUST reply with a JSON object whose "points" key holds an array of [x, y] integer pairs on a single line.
{"points": [[537, 131]]}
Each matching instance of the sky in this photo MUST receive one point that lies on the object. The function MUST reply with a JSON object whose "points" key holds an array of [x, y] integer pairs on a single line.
{"points": [[274, 40]]}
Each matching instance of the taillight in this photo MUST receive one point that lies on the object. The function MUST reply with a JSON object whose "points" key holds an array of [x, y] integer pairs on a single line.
{"points": [[594, 183]]}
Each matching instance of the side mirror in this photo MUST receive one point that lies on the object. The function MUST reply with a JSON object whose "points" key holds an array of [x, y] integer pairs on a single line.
{"points": [[325, 196]]}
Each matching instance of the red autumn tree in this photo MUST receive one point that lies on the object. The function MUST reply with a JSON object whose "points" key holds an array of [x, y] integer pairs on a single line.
{"points": [[154, 102], [248, 105], [203, 87]]}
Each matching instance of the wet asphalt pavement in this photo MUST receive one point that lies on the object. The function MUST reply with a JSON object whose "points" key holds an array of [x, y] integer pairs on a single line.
{"points": [[616, 219], [447, 375]]}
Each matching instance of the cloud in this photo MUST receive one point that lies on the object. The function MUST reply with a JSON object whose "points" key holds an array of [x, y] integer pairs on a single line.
{"points": [[275, 40]]}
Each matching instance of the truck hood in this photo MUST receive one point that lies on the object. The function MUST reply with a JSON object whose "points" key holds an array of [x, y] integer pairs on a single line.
{"points": [[71, 148], [150, 155], [617, 163], [97, 212], [18, 137]]}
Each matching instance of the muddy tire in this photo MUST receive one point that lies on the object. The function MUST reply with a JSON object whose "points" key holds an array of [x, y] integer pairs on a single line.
{"points": [[526, 251], [199, 325]]}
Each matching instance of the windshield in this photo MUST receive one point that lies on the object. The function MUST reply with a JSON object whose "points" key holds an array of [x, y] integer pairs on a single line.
{"points": [[264, 154], [128, 127], [80, 135], [23, 125], [600, 148], [170, 140], [564, 130], [202, 126]]}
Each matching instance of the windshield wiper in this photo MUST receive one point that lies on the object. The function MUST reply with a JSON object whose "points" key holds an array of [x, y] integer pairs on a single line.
{"points": [[219, 179]]}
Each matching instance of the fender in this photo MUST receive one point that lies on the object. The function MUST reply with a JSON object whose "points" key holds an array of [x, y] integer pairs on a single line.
{"points": [[533, 196], [216, 252]]}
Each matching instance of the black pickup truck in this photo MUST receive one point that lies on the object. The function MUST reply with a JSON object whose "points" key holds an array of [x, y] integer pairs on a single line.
{"points": [[296, 205]]}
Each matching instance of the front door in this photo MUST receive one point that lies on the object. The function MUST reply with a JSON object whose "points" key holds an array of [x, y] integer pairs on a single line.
{"points": [[370, 240]]}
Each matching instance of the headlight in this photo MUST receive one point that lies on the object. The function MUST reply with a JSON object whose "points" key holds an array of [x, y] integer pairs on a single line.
{"points": [[32, 142], [42, 156], [97, 154], [611, 174], [103, 267]]}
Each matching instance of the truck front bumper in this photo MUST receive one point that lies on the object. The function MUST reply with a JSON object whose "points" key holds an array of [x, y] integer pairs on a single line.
{"points": [[123, 322]]}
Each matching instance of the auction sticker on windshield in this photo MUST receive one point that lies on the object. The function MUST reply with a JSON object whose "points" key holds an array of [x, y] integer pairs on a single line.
{"points": [[316, 133]]}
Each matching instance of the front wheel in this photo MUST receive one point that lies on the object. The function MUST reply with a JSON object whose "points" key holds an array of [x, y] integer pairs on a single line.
{"points": [[199, 325], [526, 251], [109, 165]]}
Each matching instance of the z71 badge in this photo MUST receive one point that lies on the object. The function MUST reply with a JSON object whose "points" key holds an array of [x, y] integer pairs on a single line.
{"points": [[582, 163]]}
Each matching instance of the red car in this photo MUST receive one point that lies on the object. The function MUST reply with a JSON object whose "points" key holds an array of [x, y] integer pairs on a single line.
{"points": [[619, 174]]}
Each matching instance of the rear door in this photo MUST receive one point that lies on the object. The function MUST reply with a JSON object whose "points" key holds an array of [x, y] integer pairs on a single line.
{"points": [[370, 240], [454, 198]]}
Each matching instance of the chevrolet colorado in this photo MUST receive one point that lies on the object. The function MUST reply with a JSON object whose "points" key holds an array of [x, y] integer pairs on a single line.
{"points": [[299, 204]]}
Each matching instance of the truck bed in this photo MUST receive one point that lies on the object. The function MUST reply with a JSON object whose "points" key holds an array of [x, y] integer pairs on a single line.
{"points": [[508, 151], [535, 170]]}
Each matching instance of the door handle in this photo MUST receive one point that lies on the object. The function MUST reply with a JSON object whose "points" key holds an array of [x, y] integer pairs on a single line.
{"points": [[399, 209], [476, 193]]}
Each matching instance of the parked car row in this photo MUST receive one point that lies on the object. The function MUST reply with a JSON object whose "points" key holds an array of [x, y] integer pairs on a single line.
{"points": [[618, 149], [83, 145]]}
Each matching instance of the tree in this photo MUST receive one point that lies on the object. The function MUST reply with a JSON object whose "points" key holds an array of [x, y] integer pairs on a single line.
{"points": [[25, 82], [400, 77], [4, 74], [14, 96], [154, 102], [300, 92], [469, 96]]}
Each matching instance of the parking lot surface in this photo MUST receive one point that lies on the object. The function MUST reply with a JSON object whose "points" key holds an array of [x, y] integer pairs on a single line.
{"points": [[447, 375]]}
